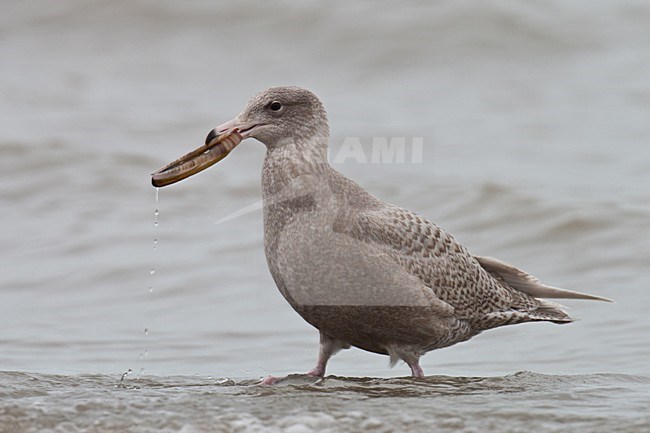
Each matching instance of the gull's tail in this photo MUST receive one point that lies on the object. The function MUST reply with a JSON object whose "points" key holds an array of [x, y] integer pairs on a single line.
{"points": [[526, 283]]}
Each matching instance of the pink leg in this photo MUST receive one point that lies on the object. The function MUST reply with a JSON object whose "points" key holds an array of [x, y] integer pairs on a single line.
{"points": [[328, 347], [416, 370], [319, 370], [407, 354]]}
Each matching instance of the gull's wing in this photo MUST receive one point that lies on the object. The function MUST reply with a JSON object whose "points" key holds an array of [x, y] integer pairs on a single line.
{"points": [[450, 270]]}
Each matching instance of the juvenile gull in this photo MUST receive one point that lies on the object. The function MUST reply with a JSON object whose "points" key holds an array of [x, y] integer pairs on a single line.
{"points": [[363, 272]]}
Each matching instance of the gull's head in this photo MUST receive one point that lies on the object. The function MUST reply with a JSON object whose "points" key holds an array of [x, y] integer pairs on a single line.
{"points": [[278, 117]]}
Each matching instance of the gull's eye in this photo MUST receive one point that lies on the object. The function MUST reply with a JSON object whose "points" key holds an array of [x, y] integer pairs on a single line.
{"points": [[275, 106]]}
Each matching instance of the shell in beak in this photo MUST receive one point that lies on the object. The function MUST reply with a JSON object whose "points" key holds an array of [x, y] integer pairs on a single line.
{"points": [[216, 148]]}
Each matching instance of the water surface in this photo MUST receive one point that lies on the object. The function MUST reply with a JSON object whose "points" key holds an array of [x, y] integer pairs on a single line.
{"points": [[535, 123]]}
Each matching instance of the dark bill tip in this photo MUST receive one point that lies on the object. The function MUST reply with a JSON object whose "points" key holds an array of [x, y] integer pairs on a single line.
{"points": [[211, 136]]}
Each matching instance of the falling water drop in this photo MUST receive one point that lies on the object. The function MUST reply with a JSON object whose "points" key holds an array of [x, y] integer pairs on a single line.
{"points": [[152, 272], [156, 211]]}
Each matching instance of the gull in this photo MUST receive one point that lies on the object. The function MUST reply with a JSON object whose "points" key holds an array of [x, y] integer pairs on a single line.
{"points": [[363, 272]]}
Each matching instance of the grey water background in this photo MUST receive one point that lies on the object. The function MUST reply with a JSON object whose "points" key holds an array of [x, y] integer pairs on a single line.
{"points": [[536, 128]]}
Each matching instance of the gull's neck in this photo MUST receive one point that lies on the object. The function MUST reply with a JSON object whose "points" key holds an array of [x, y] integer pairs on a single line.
{"points": [[293, 158]]}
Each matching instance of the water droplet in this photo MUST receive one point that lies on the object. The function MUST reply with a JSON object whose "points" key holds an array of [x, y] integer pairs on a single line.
{"points": [[150, 289], [155, 241], [156, 211], [152, 271], [146, 332]]}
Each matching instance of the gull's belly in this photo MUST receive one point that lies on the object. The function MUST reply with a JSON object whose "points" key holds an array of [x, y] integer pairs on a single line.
{"points": [[352, 291]]}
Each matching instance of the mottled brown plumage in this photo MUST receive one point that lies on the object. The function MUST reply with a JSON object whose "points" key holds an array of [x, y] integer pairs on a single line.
{"points": [[363, 272]]}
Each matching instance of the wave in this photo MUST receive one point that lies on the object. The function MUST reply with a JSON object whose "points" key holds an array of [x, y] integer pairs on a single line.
{"points": [[102, 403]]}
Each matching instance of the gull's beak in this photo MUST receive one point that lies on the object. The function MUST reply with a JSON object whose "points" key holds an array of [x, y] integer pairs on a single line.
{"points": [[218, 144]]}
